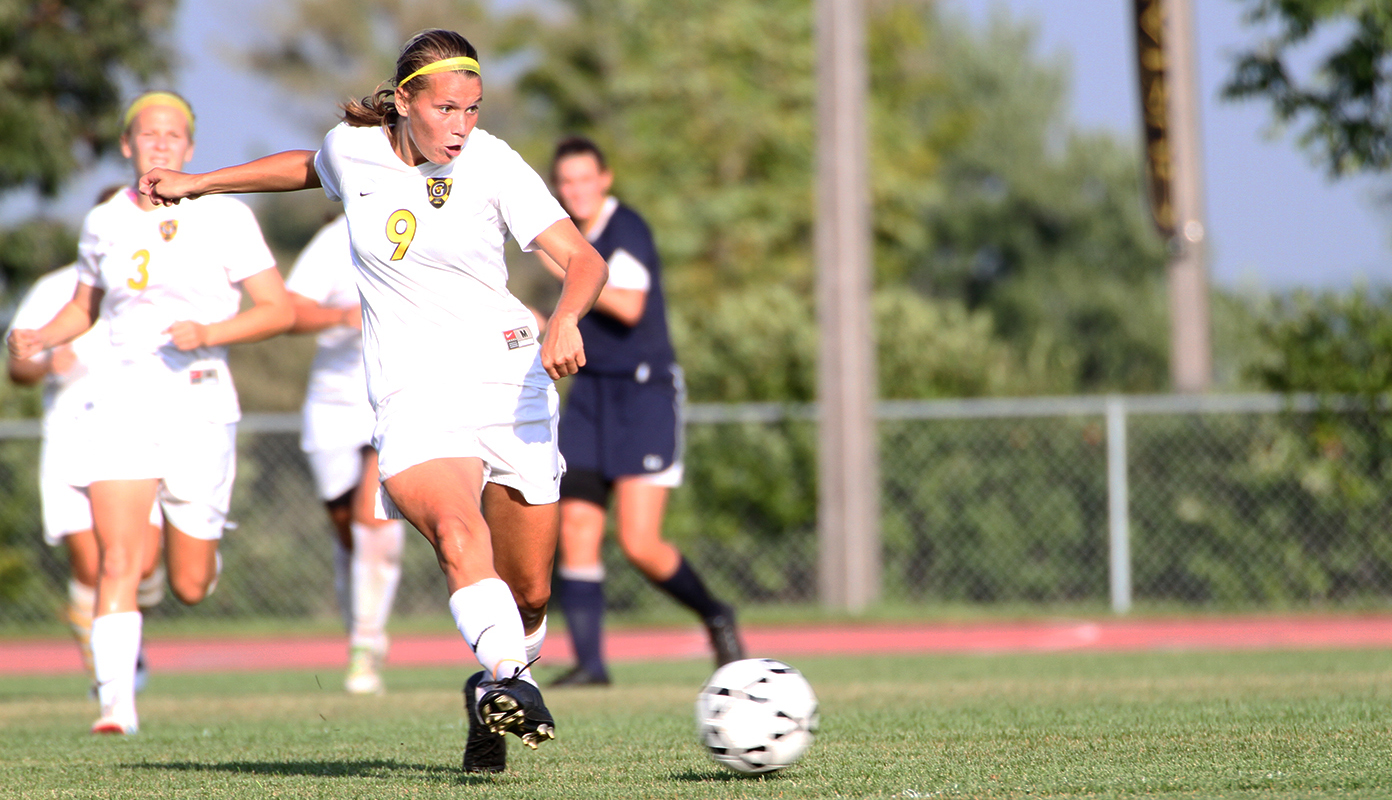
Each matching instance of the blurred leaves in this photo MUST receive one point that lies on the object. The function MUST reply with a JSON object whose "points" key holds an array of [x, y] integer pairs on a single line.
{"points": [[30, 250], [63, 67], [1344, 106], [1329, 343]]}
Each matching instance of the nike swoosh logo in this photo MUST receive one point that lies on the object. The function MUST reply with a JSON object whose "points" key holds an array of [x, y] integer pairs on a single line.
{"points": [[364, 194]]}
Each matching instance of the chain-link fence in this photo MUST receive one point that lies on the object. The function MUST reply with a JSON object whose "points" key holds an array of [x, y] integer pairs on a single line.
{"points": [[1225, 502]]}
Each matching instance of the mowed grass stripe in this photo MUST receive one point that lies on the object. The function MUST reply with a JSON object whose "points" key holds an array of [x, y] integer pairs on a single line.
{"points": [[1288, 724]]}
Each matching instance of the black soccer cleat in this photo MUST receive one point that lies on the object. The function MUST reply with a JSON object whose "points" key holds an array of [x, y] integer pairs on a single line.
{"points": [[724, 636], [579, 676], [484, 750], [513, 705]]}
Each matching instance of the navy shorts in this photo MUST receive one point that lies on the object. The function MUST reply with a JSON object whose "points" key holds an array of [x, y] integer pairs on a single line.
{"points": [[616, 426]]}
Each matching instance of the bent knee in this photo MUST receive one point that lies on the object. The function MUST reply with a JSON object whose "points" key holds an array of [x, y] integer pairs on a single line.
{"points": [[191, 590], [532, 600]]}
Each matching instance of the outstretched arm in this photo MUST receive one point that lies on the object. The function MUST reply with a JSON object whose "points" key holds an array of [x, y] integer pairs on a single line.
{"points": [[563, 351], [283, 172]]}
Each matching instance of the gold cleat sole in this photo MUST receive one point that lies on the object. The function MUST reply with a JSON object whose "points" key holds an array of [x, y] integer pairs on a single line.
{"points": [[505, 716]]}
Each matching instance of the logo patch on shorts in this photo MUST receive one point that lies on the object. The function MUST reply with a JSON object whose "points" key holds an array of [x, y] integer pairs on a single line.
{"points": [[652, 462], [438, 189], [519, 337], [200, 376], [168, 228]]}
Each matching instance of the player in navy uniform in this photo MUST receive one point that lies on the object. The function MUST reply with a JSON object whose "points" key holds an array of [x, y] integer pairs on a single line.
{"points": [[621, 429]]}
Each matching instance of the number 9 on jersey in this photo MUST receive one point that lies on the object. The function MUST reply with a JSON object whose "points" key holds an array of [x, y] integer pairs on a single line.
{"points": [[401, 230]]}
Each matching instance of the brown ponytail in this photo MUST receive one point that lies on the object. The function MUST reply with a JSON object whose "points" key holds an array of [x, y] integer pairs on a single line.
{"points": [[426, 47]]}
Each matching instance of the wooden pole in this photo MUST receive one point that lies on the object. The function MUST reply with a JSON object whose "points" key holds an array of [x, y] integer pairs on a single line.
{"points": [[1174, 172], [1191, 359], [848, 517]]}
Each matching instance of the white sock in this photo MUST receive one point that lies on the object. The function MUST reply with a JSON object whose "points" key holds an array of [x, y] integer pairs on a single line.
{"points": [[343, 583], [534, 641], [486, 615], [115, 647], [376, 573], [593, 573], [151, 590]]}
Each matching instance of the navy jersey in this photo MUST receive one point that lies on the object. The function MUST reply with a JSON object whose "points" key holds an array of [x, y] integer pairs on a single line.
{"points": [[611, 347]]}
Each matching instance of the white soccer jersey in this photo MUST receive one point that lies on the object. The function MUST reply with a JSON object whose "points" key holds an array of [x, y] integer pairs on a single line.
{"points": [[165, 265], [428, 244], [63, 395], [324, 273]]}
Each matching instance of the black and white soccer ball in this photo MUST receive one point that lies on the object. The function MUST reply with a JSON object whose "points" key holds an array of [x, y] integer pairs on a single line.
{"points": [[756, 716]]}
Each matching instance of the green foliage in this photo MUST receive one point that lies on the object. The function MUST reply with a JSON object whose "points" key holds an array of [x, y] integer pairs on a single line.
{"points": [[1345, 106], [714, 100], [1337, 343], [323, 52], [34, 248], [1044, 228], [994, 511], [66, 64]]}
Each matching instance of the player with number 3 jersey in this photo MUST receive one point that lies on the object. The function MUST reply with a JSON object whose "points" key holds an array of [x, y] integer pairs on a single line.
{"points": [[465, 407], [161, 419]]}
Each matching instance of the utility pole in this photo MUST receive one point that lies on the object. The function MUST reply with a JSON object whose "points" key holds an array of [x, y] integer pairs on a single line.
{"points": [[1174, 168], [848, 507]]}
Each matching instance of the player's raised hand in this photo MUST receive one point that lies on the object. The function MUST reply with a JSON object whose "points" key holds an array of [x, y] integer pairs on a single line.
{"points": [[562, 351], [166, 187], [25, 343], [187, 335]]}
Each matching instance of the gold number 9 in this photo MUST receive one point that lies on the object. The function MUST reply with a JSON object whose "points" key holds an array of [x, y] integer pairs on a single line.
{"points": [[401, 229], [143, 256]]}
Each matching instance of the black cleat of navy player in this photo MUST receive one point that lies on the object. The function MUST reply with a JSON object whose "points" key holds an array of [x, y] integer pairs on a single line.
{"points": [[724, 637]]}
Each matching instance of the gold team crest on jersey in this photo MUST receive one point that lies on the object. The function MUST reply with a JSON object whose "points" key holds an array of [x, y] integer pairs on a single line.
{"points": [[168, 228], [438, 189]]}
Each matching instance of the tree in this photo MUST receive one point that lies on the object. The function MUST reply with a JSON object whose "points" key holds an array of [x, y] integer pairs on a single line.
{"points": [[323, 52], [64, 67], [1345, 106]]}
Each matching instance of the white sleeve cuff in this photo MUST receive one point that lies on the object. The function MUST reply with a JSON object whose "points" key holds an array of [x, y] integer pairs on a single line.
{"points": [[627, 272]]}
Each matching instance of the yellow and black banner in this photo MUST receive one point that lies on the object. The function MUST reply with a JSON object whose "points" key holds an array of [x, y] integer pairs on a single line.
{"points": [[1155, 112]]}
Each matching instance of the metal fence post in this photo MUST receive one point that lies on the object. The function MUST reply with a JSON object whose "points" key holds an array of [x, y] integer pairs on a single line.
{"points": [[1118, 506]]}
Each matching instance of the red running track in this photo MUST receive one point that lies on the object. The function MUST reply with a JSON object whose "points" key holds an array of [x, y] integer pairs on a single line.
{"points": [[53, 657]]}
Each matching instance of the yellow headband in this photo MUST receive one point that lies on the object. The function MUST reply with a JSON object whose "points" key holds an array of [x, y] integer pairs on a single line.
{"points": [[445, 65], [168, 99]]}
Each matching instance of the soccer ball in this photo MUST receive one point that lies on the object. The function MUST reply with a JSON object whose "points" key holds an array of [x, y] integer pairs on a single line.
{"points": [[756, 715]]}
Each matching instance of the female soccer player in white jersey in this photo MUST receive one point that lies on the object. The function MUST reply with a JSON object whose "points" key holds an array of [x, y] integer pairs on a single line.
{"points": [[163, 411], [65, 372], [337, 440], [466, 409]]}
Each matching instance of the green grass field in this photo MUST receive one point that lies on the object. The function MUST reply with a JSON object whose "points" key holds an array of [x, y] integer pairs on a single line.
{"points": [[1306, 725]]}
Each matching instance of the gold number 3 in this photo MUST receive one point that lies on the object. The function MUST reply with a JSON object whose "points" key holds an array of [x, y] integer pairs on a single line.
{"points": [[143, 256], [401, 229]]}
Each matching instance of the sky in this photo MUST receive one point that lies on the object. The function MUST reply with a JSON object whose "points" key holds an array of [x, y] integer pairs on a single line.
{"points": [[1275, 221]]}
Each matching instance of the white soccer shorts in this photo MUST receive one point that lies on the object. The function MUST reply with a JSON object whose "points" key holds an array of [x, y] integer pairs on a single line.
{"points": [[512, 429], [195, 460], [65, 507]]}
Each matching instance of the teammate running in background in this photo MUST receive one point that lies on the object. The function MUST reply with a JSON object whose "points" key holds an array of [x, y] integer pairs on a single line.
{"points": [[161, 419], [67, 516], [466, 409], [337, 440], [621, 431]]}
